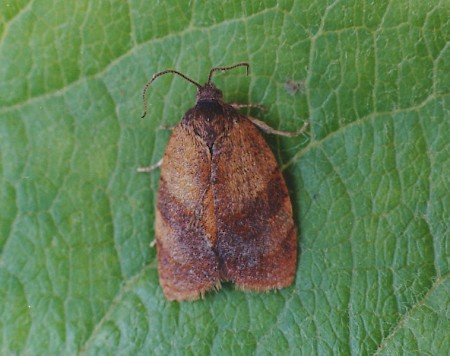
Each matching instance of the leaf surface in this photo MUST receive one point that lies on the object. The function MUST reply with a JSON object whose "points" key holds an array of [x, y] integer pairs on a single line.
{"points": [[369, 182]]}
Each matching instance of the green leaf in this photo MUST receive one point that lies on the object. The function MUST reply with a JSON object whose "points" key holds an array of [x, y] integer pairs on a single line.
{"points": [[369, 183]]}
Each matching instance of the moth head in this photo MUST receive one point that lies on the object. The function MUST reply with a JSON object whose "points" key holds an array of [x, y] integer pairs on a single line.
{"points": [[206, 92], [209, 92]]}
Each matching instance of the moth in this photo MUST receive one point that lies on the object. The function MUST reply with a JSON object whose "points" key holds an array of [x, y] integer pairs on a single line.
{"points": [[223, 209]]}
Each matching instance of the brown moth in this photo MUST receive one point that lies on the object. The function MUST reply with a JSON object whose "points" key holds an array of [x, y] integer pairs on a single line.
{"points": [[223, 210]]}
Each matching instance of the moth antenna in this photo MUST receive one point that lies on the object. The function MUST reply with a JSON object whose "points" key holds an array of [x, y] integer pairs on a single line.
{"points": [[242, 64], [144, 98]]}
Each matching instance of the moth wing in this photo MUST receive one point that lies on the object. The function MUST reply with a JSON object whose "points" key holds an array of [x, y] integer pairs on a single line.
{"points": [[185, 224], [256, 235]]}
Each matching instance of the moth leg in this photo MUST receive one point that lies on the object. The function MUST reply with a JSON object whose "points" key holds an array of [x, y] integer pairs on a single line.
{"points": [[150, 168], [266, 128], [238, 106], [167, 127]]}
